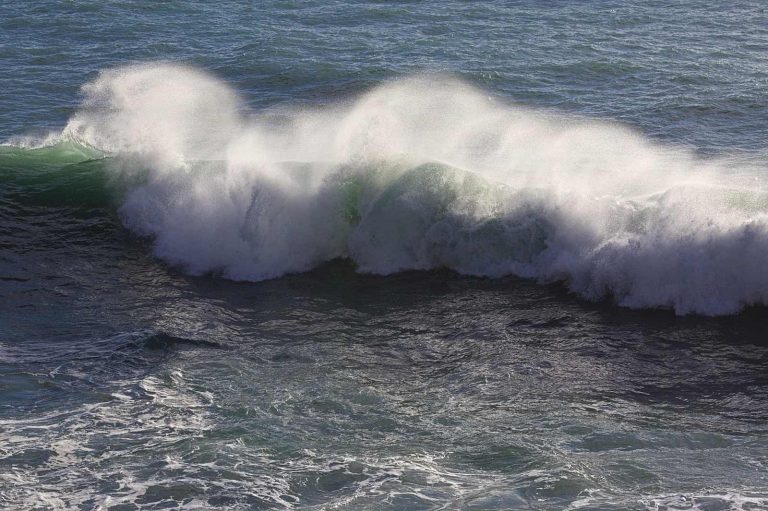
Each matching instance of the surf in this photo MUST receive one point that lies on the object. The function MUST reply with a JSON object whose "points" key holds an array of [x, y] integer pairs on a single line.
{"points": [[420, 173]]}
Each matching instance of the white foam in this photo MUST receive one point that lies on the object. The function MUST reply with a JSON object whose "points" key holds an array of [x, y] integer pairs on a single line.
{"points": [[427, 172]]}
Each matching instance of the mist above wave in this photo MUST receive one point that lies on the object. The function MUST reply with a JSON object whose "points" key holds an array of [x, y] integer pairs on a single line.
{"points": [[427, 172]]}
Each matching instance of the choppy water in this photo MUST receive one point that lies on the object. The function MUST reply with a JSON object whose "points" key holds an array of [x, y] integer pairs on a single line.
{"points": [[410, 255]]}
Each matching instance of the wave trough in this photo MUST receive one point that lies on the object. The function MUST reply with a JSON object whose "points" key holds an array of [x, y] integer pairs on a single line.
{"points": [[421, 173]]}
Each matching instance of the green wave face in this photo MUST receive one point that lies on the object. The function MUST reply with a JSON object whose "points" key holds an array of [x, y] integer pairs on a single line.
{"points": [[62, 176], [435, 215]]}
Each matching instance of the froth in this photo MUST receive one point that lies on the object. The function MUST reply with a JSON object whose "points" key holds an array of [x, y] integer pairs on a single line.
{"points": [[427, 172]]}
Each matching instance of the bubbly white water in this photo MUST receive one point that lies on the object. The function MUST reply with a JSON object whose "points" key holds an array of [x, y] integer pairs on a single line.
{"points": [[427, 172]]}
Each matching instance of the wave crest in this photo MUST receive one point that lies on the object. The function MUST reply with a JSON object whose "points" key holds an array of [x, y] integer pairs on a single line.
{"points": [[428, 172]]}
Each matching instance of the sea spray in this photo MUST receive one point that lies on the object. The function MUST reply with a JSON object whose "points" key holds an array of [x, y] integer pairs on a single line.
{"points": [[421, 173]]}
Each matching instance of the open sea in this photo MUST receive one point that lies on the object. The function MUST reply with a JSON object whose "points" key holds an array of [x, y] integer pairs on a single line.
{"points": [[414, 255]]}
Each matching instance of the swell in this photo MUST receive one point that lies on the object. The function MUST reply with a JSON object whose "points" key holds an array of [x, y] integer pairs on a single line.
{"points": [[64, 174], [421, 173]]}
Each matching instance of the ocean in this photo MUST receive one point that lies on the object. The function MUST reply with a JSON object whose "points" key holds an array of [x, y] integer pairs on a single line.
{"points": [[383, 255]]}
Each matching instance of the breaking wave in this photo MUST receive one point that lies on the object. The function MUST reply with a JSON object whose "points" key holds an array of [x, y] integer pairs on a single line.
{"points": [[421, 173]]}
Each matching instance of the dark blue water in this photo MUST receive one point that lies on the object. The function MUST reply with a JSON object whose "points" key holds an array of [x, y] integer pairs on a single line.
{"points": [[411, 255]]}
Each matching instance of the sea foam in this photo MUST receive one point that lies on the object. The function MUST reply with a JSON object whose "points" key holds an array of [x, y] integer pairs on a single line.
{"points": [[427, 172]]}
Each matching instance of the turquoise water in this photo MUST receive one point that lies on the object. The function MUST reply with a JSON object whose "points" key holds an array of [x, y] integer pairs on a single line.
{"points": [[410, 255]]}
